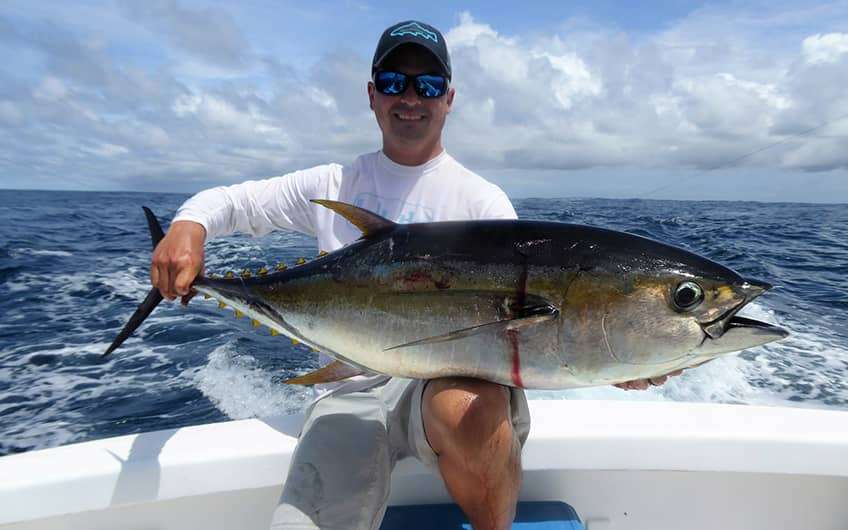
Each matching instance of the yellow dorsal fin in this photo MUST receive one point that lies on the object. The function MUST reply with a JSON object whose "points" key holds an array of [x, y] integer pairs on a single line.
{"points": [[369, 222], [335, 371]]}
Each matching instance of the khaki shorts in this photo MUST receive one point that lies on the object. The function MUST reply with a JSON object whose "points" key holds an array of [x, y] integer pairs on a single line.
{"points": [[339, 473]]}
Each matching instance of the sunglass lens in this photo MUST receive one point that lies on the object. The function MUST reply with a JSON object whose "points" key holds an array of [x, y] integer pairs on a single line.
{"points": [[390, 83], [430, 86]]}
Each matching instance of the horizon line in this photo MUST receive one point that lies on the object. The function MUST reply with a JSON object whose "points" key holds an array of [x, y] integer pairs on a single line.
{"points": [[580, 197]]}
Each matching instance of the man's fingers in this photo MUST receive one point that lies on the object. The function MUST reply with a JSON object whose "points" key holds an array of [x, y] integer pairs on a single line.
{"points": [[644, 384], [177, 259], [165, 283], [184, 277], [159, 279], [187, 298]]}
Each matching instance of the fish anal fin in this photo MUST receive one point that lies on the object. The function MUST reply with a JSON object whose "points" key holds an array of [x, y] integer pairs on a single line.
{"points": [[369, 222], [335, 371], [536, 315]]}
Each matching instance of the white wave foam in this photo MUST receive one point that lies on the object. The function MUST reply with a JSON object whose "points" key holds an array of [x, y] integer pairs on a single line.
{"points": [[39, 252], [240, 389], [723, 380], [16, 287]]}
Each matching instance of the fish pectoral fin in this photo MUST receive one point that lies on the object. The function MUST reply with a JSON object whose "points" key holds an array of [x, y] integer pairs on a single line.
{"points": [[335, 371], [369, 222], [532, 316]]}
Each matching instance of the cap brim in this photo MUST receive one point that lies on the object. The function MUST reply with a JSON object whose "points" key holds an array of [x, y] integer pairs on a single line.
{"points": [[401, 42]]}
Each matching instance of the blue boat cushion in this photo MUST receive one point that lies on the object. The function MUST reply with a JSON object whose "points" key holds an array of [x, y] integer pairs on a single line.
{"points": [[547, 515]]}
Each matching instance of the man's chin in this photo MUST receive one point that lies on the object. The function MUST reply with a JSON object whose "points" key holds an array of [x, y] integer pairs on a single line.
{"points": [[411, 133]]}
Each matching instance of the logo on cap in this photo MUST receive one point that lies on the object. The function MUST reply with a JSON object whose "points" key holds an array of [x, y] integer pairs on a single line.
{"points": [[416, 30]]}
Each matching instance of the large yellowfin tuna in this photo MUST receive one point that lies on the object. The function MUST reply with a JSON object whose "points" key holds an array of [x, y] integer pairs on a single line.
{"points": [[523, 303]]}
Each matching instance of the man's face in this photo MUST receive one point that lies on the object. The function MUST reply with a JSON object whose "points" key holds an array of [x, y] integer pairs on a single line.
{"points": [[408, 119]]}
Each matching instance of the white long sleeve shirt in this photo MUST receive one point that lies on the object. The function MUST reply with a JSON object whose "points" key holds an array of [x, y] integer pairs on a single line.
{"points": [[439, 190]]}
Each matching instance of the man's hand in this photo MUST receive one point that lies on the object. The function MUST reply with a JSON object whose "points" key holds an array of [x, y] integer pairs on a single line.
{"points": [[643, 384], [178, 259]]}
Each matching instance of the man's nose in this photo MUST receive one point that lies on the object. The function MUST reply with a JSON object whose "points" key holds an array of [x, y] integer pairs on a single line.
{"points": [[410, 96]]}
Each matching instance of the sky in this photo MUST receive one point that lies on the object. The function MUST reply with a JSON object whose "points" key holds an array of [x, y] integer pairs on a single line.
{"points": [[664, 99]]}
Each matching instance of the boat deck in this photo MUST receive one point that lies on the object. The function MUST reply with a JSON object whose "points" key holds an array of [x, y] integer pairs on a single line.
{"points": [[621, 465]]}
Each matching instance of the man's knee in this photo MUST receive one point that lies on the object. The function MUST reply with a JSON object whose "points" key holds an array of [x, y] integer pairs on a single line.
{"points": [[462, 414]]}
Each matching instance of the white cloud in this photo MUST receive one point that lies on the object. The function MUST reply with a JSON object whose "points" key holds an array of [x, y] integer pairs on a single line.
{"points": [[573, 79], [106, 150], [825, 48], [207, 33], [50, 89], [467, 32], [10, 115]]}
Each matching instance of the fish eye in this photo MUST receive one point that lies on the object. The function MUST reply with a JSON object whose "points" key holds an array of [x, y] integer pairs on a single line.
{"points": [[687, 295]]}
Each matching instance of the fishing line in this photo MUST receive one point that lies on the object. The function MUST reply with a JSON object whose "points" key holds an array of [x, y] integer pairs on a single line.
{"points": [[738, 159]]}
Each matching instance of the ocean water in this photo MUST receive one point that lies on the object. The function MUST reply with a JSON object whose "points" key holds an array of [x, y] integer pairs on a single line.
{"points": [[74, 266]]}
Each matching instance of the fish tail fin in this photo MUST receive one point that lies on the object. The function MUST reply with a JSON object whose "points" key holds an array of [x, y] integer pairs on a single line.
{"points": [[156, 232], [153, 297], [143, 311]]}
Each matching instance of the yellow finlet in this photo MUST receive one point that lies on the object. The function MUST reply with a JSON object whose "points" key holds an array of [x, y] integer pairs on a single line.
{"points": [[274, 332], [295, 342], [255, 323], [238, 313], [281, 266], [222, 305], [322, 253], [229, 275], [245, 273], [263, 271], [301, 261]]}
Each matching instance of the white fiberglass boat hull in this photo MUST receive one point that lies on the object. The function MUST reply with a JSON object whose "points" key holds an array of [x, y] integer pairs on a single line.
{"points": [[620, 464]]}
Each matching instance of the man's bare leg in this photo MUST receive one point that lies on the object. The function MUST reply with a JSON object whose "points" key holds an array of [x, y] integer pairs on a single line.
{"points": [[468, 424]]}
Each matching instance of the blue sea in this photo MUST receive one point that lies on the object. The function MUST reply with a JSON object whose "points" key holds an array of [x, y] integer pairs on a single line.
{"points": [[74, 266]]}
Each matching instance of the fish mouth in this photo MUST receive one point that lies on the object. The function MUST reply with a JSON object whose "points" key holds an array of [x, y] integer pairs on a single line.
{"points": [[749, 290], [755, 325], [730, 332]]}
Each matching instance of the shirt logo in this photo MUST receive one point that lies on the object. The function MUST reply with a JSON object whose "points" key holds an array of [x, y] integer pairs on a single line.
{"points": [[396, 210], [416, 30]]}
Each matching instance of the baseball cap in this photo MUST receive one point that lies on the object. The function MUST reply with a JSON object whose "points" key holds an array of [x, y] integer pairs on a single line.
{"points": [[412, 32]]}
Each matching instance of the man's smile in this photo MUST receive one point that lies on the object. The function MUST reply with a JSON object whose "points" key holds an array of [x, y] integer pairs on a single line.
{"points": [[408, 116]]}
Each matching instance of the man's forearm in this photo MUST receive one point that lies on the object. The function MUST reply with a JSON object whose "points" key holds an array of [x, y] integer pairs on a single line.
{"points": [[255, 207]]}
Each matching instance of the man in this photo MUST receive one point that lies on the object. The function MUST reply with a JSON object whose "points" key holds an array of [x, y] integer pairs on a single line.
{"points": [[471, 431]]}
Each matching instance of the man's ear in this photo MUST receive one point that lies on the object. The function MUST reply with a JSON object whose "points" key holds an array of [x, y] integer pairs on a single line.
{"points": [[451, 93], [371, 94]]}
